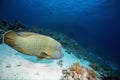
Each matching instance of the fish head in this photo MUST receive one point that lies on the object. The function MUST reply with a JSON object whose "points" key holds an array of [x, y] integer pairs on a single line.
{"points": [[57, 52], [54, 52]]}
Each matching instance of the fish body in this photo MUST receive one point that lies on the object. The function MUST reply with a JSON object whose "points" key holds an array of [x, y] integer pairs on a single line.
{"points": [[34, 44]]}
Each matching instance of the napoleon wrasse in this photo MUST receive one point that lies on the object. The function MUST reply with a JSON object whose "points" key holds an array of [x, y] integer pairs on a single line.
{"points": [[34, 44]]}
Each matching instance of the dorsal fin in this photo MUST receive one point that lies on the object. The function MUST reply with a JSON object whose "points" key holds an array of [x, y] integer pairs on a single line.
{"points": [[25, 34]]}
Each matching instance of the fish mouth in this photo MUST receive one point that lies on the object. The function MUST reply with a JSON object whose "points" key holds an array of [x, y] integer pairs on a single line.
{"points": [[57, 55]]}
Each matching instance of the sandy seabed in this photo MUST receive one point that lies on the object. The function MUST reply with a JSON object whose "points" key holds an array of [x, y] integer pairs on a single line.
{"points": [[17, 66]]}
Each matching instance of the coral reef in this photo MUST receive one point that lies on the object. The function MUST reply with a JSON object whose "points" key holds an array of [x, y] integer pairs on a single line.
{"points": [[111, 76], [60, 63], [77, 72], [17, 26], [95, 66], [5, 26], [1, 35], [71, 46]]}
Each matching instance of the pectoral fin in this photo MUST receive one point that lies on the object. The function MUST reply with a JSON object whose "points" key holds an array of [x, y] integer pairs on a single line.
{"points": [[40, 58], [43, 55]]}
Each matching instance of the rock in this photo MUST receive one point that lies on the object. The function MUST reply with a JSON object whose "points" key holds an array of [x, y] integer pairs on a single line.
{"points": [[8, 66]]}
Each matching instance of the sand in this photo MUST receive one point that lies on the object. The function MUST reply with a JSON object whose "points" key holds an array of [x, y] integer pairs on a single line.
{"points": [[18, 66]]}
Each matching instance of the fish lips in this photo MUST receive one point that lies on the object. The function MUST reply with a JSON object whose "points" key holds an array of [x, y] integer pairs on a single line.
{"points": [[57, 55]]}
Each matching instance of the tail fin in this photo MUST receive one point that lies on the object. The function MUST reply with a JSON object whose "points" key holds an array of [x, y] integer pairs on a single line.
{"points": [[9, 38]]}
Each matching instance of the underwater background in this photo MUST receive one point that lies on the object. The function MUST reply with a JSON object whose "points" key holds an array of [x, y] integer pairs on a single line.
{"points": [[95, 24]]}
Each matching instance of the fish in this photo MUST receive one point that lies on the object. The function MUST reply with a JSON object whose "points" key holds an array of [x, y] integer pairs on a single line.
{"points": [[34, 44]]}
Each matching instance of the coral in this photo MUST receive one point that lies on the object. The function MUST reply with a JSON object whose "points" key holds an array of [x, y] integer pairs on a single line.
{"points": [[8, 66], [92, 75], [72, 46], [77, 72], [69, 44], [5, 26], [18, 26], [1, 35], [95, 66], [60, 63], [111, 77], [77, 68]]}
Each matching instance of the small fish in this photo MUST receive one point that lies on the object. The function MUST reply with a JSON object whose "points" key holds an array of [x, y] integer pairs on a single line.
{"points": [[34, 44]]}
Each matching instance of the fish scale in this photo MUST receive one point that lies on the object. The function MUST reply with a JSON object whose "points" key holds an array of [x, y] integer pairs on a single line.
{"points": [[34, 44]]}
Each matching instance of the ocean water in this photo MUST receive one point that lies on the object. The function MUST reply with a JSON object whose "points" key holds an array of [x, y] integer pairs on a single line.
{"points": [[95, 24]]}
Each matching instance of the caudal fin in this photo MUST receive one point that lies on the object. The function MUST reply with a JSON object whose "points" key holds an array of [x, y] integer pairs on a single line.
{"points": [[9, 38]]}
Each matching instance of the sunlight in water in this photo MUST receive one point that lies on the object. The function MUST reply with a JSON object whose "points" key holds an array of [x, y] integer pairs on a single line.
{"points": [[64, 5]]}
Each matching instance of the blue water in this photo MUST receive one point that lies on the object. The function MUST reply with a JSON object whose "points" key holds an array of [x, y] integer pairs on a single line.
{"points": [[95, 24]]}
